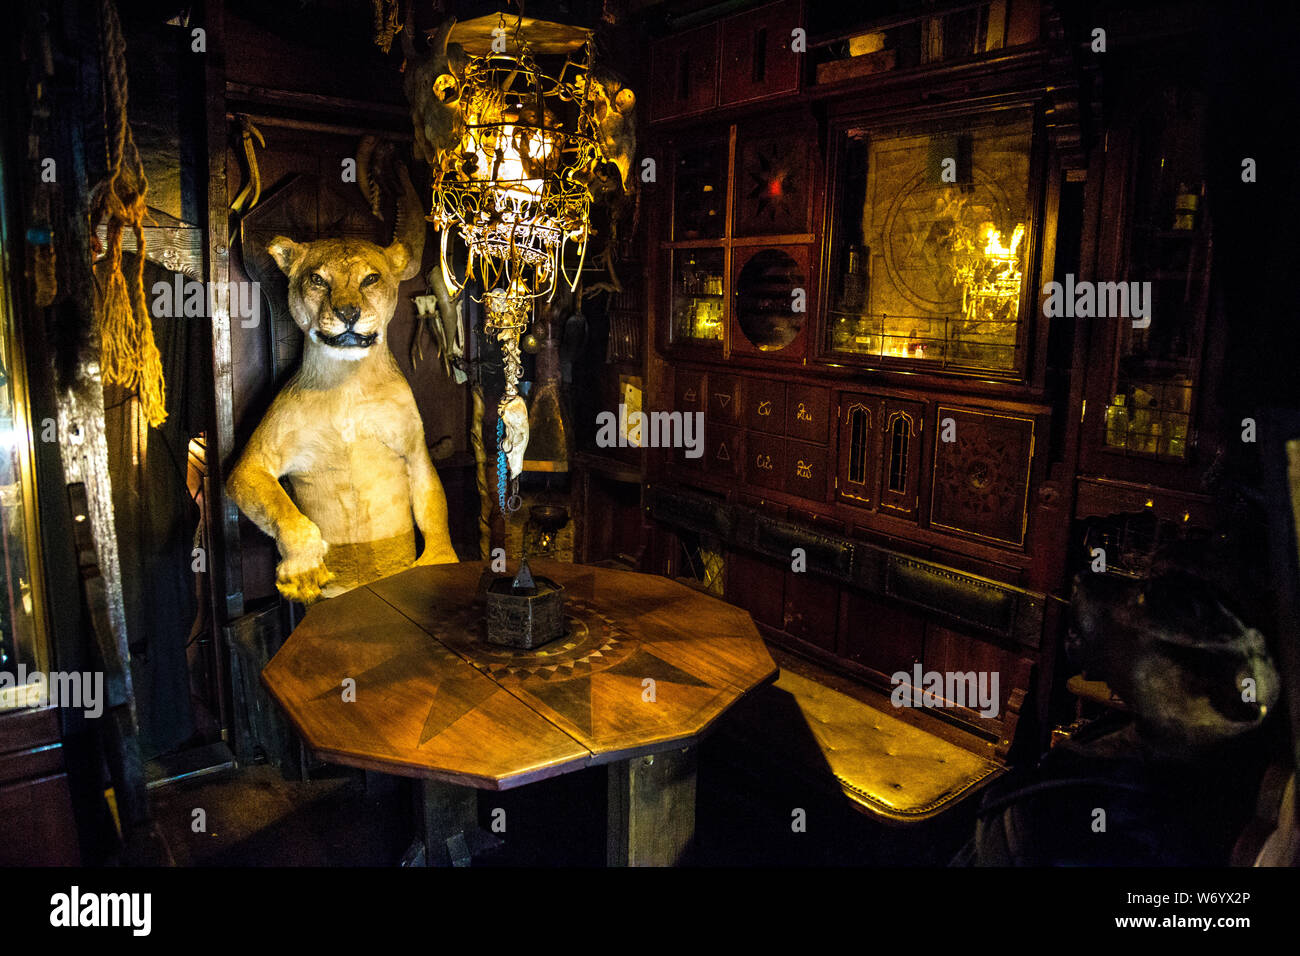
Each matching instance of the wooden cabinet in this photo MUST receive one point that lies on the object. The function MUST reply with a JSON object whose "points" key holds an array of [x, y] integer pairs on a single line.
{"points": [[748, 57], [759, 59], [1149, 412], [740, 254], [684, 73]]}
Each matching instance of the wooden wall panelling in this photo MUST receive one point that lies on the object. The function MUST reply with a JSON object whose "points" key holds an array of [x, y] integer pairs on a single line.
{"points": [[758, 586], [881, 635], [811, 609], [950, 651]]}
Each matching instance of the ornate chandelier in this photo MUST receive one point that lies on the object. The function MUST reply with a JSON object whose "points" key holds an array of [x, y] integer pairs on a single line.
{"points": [[517, 152]]}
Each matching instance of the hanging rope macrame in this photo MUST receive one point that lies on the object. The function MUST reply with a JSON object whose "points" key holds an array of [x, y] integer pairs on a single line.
{"points": [[128, 354]]}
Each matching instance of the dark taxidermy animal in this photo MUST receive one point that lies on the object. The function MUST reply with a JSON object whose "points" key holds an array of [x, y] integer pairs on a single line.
{"points": [[1191, 671]]}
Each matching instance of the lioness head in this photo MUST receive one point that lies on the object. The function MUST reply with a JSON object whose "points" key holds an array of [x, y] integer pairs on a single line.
{"points": [[342, 292]]}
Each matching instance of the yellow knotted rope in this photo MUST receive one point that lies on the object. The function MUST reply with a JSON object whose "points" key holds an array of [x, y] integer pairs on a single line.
{"points": [[128, 354]]}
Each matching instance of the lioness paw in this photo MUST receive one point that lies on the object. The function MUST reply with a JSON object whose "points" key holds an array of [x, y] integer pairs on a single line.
{"points": [[303, 586], [436, 556], [302, 572]]}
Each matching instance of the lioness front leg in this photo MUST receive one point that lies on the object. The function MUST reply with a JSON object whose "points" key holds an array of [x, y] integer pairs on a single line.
{"points": [[301, 573], [429, 502]]}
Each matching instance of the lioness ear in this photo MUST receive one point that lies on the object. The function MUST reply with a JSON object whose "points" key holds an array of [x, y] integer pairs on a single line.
{"points": [[285, 252], [399, 257]]}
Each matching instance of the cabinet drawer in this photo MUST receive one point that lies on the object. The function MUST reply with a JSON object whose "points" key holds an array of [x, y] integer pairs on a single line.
{"points": [[722, 451], [807, 413], [688, 391], [724, 399], [805, 470], [765, 406], [765, 461]]}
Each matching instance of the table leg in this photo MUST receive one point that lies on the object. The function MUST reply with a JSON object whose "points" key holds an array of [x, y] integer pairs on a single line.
{"points": [[651, 809], [448, 819]]}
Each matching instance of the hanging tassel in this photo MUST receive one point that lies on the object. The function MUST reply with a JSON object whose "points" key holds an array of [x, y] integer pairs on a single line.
{"points": [[128, 354]]}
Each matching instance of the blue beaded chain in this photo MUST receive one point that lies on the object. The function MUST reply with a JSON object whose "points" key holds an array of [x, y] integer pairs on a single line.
{"points": [[501, 465]]}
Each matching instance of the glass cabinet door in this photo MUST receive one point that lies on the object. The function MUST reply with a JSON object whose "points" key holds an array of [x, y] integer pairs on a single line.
{"points": [[700, 192], [697, 296], [929, 246], [1150, 407], [23, 648]]}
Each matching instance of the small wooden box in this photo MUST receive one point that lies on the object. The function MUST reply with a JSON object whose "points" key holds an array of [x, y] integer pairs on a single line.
{"points": [[522, 620]]}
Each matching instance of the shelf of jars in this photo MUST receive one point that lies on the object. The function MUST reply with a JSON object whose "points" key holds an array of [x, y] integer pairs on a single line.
{"points": [[698, 313]]}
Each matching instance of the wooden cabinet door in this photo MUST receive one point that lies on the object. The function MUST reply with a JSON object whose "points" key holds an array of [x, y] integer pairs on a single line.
{"points": [[758, 55], [684, 73], [900, 456], [859, 443]]}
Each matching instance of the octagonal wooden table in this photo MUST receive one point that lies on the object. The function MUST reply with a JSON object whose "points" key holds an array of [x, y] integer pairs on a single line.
{"points": [[396, 677]]}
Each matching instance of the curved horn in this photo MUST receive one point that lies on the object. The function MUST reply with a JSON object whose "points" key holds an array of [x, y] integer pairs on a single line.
{"points": [[409, 227]]}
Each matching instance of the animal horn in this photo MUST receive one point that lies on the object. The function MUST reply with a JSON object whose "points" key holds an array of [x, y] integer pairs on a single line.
{"points": [[409, 228]]}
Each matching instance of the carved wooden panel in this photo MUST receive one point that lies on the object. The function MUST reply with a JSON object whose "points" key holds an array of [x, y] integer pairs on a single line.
{"points": [[901, 424], [765, 405], [808, 413], [805, 470], [980, 483], [690, 392], [859, 428], [765, 461], [724, 399], [722, 451]]}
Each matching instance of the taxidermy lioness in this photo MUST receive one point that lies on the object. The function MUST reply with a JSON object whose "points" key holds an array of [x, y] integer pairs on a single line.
{"points": [[345, 432]]}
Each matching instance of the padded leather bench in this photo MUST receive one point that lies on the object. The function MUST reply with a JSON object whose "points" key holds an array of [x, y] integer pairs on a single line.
{"points": [[885, 766]]}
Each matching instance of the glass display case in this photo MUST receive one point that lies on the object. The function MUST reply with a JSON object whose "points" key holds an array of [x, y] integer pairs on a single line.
{"points": [[23, 648], [930, 231], [1150, 406], [697, 296], [700, 192]]}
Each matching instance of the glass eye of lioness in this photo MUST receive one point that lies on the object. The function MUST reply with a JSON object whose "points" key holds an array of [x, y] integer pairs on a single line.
{"points": [[316, 280], [370, 279]]}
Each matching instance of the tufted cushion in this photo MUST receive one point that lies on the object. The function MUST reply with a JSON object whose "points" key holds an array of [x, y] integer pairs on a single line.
{"points": [[885, 766]]}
